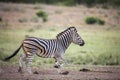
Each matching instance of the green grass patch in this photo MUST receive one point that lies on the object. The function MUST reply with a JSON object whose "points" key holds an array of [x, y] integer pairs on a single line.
{"points": [[93, 20], [101, 47]]}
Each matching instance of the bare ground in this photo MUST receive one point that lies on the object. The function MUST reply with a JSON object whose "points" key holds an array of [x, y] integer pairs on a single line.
{"points": [[58, 16], [94, 73]]}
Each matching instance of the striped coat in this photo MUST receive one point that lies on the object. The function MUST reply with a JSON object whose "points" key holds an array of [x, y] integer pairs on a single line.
{"points": [[47, 48]]}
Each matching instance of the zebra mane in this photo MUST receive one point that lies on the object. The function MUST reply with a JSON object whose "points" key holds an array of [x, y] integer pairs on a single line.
{"points": [[70, 28]]}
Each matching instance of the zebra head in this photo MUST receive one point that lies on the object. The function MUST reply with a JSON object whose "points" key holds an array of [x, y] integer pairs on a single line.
{"points": [[76, 37]]}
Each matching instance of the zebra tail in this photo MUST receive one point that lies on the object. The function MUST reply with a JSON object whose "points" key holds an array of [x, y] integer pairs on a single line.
{"points": [[8, 58]]}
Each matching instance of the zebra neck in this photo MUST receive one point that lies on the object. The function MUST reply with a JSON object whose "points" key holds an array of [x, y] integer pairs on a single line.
{"points": [[65, 42]]}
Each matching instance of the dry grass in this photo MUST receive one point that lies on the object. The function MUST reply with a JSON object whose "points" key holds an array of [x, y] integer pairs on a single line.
{"points": [[57, 15]]}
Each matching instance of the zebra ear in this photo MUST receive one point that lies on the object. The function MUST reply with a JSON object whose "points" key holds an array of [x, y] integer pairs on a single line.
{"points": [[73, 29]]}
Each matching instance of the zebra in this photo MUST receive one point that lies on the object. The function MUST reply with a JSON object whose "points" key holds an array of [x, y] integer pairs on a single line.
{"points": [[47, 48]]}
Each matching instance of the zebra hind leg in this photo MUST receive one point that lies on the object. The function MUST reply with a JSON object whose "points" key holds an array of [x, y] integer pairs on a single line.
{"points": [[21, 57], [29, 59]]}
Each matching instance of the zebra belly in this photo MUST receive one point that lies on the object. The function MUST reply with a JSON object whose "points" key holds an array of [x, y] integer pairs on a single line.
{"points": [[46, 54]]}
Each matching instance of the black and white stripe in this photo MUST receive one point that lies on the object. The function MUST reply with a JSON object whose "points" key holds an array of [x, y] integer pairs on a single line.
{"points": [[48, 48]]}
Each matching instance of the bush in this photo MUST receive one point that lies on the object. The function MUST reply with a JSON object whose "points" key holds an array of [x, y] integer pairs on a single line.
{"points": [[115, 2], [0, 19], [101, 22], [43, 15], [69, 2], [89, 2], [93, 20]]}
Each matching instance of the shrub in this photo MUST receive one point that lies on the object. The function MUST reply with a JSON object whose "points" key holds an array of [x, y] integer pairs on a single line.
{"points": [[89, 2], [115, 2], [43, 15], [69, 2], [0, 19], [93, 20], [101, 22]]}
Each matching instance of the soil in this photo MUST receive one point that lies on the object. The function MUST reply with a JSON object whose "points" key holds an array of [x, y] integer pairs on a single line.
{"points": [[12, 14], [94, 73]]}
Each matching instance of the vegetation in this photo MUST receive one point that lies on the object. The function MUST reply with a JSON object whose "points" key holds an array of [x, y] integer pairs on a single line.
{"points": [[69, 2], [101, 48], [93, 20], [22, 20], [43, 15], [0, 19], [34, 19], [101, 22], [102, 44]]}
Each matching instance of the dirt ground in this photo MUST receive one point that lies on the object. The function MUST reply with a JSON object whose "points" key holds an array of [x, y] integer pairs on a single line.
{"points": [[12, 14], [94, 73]]}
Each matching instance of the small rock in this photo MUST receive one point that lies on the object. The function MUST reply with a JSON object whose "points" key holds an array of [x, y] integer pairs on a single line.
{"points": [[65, 73], [35, 72], [84, 70]]}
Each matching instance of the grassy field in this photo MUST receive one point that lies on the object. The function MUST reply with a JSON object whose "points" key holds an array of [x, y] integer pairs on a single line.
{"points": [[102, 42], [102, 46]]}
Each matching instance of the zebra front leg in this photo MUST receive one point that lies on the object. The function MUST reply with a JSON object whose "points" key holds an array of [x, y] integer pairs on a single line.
{"points": [[57, 65], [21, 57], [29, 59], [64, 62]]}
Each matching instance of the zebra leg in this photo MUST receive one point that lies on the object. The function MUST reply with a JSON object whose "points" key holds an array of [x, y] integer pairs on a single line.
{"points": [[64, 62], [21, 57], [57, 65], [29, 59]]}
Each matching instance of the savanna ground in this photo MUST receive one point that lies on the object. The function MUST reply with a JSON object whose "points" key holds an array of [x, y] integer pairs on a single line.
{"points": [[102, 48]]}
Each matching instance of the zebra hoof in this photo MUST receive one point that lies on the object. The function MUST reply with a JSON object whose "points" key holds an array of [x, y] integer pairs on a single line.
{"points": [[20, 70], [56, 66]]}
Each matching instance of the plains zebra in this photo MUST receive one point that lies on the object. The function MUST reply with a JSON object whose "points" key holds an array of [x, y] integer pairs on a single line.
{"points": [[48, 48]]}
